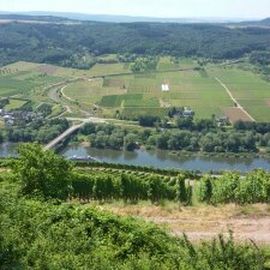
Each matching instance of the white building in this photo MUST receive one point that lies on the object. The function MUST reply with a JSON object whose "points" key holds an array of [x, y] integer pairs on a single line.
{"points": [[165, 88]]}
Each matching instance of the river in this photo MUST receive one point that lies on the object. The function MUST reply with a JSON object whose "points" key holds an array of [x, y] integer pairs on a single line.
{"points": [[158, 159], [164, 160]]}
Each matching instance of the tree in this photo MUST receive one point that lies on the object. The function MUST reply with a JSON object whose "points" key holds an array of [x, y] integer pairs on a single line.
{"points": [[148, 120], [130, 142], [88, 129], [43, 173]]}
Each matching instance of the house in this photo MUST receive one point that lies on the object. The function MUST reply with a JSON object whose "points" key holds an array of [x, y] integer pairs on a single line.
{"points": [[222, 121], [187, 112]]}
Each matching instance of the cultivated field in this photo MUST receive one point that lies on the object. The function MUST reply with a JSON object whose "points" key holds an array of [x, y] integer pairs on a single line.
{"points": [[252, 92], [15, 104], [24, 80], [112, 87], [142, 93]]}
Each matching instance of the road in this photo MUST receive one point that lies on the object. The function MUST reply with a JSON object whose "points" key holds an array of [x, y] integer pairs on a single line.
{"points": [[237, 104]]}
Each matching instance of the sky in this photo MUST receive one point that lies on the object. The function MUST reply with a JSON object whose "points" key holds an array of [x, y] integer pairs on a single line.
{"points": [[149, 8]]}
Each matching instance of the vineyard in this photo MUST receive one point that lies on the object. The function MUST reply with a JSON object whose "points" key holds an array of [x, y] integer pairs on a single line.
{"points": [[39, 208]]}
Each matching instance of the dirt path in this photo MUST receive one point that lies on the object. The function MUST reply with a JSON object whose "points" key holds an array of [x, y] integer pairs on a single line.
{"points": [[205, 222], [237, 104], [244, 228], [64, 95]]}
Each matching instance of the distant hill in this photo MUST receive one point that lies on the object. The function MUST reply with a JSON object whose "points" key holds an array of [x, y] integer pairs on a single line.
{"points": [[121, 18], [58, 40], [266, 21], [34, 18]]}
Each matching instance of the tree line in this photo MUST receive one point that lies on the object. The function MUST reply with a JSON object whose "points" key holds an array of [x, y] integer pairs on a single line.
{"points": [[42, 131], [74, 44], [206, 138]]}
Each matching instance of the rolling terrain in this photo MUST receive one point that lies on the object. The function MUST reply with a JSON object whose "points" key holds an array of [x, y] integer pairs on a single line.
{"points": [[113, 87]]}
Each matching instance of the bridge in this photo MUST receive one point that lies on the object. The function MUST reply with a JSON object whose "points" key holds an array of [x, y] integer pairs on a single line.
{"points": [[72, 130], [61, 137]]}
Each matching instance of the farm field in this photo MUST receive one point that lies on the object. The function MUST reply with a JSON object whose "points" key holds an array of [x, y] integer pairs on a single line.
{"points": [[252, 92], [112, 87], [142, 93], [24, 80], [136, 94], [15, 104], [167, 63]]}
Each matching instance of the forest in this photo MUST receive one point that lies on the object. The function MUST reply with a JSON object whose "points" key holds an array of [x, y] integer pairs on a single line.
{"points": [[75, 44], [43, 227]]}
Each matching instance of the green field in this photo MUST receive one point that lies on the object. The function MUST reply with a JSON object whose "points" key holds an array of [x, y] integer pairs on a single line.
{"points": [[113, 87], [249, 89], [24, 79], [15, 104], [143, 92]]}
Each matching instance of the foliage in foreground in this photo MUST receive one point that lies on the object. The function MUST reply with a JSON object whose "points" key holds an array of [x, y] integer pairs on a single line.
{"points": [[232, 188], [45, 235], [50, 234], [47, 175]]}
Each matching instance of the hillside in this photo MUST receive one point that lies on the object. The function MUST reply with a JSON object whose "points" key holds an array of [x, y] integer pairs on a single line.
{"points": [[121, 18], [30, 18], [42, 229], [62, 43], [266, 21]]}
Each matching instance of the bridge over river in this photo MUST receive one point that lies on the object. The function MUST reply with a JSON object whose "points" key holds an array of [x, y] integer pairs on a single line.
{"points": [[72, 130]]}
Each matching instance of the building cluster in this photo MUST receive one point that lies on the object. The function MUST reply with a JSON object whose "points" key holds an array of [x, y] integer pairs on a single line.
{"points": [[19, 117]]}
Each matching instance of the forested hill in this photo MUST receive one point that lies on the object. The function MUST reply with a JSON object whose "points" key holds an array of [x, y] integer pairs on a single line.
{"points": [[21, 17], [58, 43], [266, 21]]}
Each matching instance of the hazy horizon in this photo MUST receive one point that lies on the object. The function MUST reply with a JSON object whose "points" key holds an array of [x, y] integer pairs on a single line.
{"points": [[242, 9]]}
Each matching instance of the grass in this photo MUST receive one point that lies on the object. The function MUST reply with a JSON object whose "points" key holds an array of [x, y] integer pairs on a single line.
{"points": [[106, 69], [249, 89], [2, 124], [198, 222], [167, 63], [137, 94], [56, 110], [24, 79], [15, 104], [143, 91]]}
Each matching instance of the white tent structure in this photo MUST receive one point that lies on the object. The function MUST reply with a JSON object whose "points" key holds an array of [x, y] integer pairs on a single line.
{"points": [[165, 88]]}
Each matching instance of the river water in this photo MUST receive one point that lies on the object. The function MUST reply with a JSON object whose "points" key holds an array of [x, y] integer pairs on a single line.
{"points": [[158, 159], [164, 160]]}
